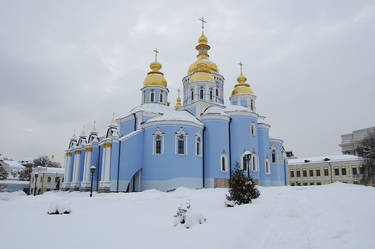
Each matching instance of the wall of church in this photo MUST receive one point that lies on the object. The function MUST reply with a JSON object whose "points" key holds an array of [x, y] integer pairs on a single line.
{"points": [[81, 165], [215, 146], [127, 126], [169, 165]]}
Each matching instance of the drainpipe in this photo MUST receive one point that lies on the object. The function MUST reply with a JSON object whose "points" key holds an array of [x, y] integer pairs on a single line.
{"points": [[118, 165], [97, 171], [203, 166], [230, 150]]}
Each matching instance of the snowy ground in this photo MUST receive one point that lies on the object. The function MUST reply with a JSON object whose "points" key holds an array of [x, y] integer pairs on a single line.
{"points": [[329, 216]]}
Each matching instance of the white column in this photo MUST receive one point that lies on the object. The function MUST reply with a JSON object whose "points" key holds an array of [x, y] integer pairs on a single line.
{"points": [[67, 175], [108, 162], [76, 167], [87, 166], [103, 163]]}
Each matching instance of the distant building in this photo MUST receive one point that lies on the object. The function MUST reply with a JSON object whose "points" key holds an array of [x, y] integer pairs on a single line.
{"points": [[47, 179], [349, 142], [324, 170], [13, 168], [290, 155]]}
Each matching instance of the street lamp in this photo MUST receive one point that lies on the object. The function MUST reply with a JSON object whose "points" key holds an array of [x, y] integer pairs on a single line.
{"points": [[247, 158], [92, 170], [36, 179]]}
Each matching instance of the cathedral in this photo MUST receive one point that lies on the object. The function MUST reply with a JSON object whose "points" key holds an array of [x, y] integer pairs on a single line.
{"points": [[196, 144]]}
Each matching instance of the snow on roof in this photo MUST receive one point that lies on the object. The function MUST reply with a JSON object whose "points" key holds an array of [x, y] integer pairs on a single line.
{"points": [[14, 182], [49, 170], [165, 113], [14, 164], [333, 158]]}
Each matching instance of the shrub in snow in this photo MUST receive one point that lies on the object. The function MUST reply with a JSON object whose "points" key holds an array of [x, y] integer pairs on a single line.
{"points": [[187, 217], [59, 207], [242, 188]]}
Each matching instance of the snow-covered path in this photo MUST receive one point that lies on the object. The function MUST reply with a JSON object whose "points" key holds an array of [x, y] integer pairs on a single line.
{"points": [[331, 216]]}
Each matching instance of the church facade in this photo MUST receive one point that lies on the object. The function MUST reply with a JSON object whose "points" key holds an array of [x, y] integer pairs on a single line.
{"points": [[196, 143]]}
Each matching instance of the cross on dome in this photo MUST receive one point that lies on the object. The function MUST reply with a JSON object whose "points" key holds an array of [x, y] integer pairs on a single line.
{"points": [[240, 66], [203, 22], [156, 51]]}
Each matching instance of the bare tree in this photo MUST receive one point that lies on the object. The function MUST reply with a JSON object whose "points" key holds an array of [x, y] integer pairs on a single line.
{"points": [[3, 173], [42, 161], [366, 149]]}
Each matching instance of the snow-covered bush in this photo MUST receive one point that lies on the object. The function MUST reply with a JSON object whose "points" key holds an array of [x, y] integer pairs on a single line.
{"points": [[59, 207], [187, 217]]}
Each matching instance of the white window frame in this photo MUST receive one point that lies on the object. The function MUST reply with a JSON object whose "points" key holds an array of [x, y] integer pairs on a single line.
{"points": [[256, 166], [223, 155], [185, 135], [152, 94], [252, 129], [198, 135], [242, 156], [273, 148], [161, 134], [267, 161]]}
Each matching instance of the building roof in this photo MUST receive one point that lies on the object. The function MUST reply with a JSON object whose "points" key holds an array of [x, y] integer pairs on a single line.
{"points": [[49, 170], [165, 113], [321, 159]]}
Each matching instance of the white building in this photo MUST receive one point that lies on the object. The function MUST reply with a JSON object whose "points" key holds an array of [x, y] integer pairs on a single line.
{"points": [[350, 141], [45, 179]]}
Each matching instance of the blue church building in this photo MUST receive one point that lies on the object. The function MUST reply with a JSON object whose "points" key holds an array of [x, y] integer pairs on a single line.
{"points": [[195, 144]]}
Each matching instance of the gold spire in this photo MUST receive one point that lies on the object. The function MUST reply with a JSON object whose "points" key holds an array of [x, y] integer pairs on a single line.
{"points": [[94, 126], [113, 118], [52, 161], [154, 77], [242, 86], [178, 104]]}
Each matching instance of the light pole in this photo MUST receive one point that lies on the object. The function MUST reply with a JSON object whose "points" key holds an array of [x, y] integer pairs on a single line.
{"points": [[36, 179], [92, 170], [247, 158]]}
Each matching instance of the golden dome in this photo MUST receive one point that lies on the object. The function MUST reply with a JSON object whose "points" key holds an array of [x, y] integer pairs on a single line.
{"points": [[242, 87], [202, 39], [178, 102], [154, 77], [212, 67], [201, 76]]}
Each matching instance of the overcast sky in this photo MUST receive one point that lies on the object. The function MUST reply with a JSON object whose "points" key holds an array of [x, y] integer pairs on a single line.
{"points": [[64, 64]]}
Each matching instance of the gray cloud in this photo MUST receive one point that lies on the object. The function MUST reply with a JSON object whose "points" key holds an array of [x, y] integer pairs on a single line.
{"points": [[64, 64]]}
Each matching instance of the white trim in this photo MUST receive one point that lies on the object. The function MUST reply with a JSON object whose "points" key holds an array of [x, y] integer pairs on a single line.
{"points": [[161, 134], [198, 135], [223, 155], [264, 125], [254, 155], [185, 135], [269, 166], [131, 134], [178, 122]]}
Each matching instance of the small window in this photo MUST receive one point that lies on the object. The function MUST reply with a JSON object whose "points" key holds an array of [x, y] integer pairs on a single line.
{"points": [[273, 155], [298, 173], [181, 145], [343, 171], [198, 146], [49, 179], [152, 96], [298, 184], [201, 93], [161, 97], [318, 172], [192, 94], [211, 95], [252, 128], [304, 173], [157, 144], [311, 172], [325, 172], [217, 92], [311, 183], [361, 170], [255, 162], [305, 184], [252, 105], [292, 184], [337, 172], [318, 183], [268, 169], [354, 170], [223, 163], [291, 173]]}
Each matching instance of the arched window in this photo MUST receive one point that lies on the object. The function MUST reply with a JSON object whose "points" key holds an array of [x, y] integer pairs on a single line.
{"points": [[217, 92], [211, 94], [192, 94], [223, 162], [158, 144], [268, 168], [255, 162], [201, 93], [57, 179], [152, 96], [273, 155], [161, 97], [198, 146], [181, 142], [252, 128], [252, 105], [245, 160], [49, 179]]}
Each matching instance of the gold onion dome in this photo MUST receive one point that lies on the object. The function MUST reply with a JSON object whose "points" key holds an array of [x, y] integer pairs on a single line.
{"points": [[242, 86], [203, 67], [178, 102], [154, 77]]}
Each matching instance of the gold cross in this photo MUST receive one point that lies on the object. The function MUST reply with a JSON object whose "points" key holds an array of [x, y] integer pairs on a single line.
{"points": [[240, 66], [178, 92], [203, 22], [156, 51]]}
